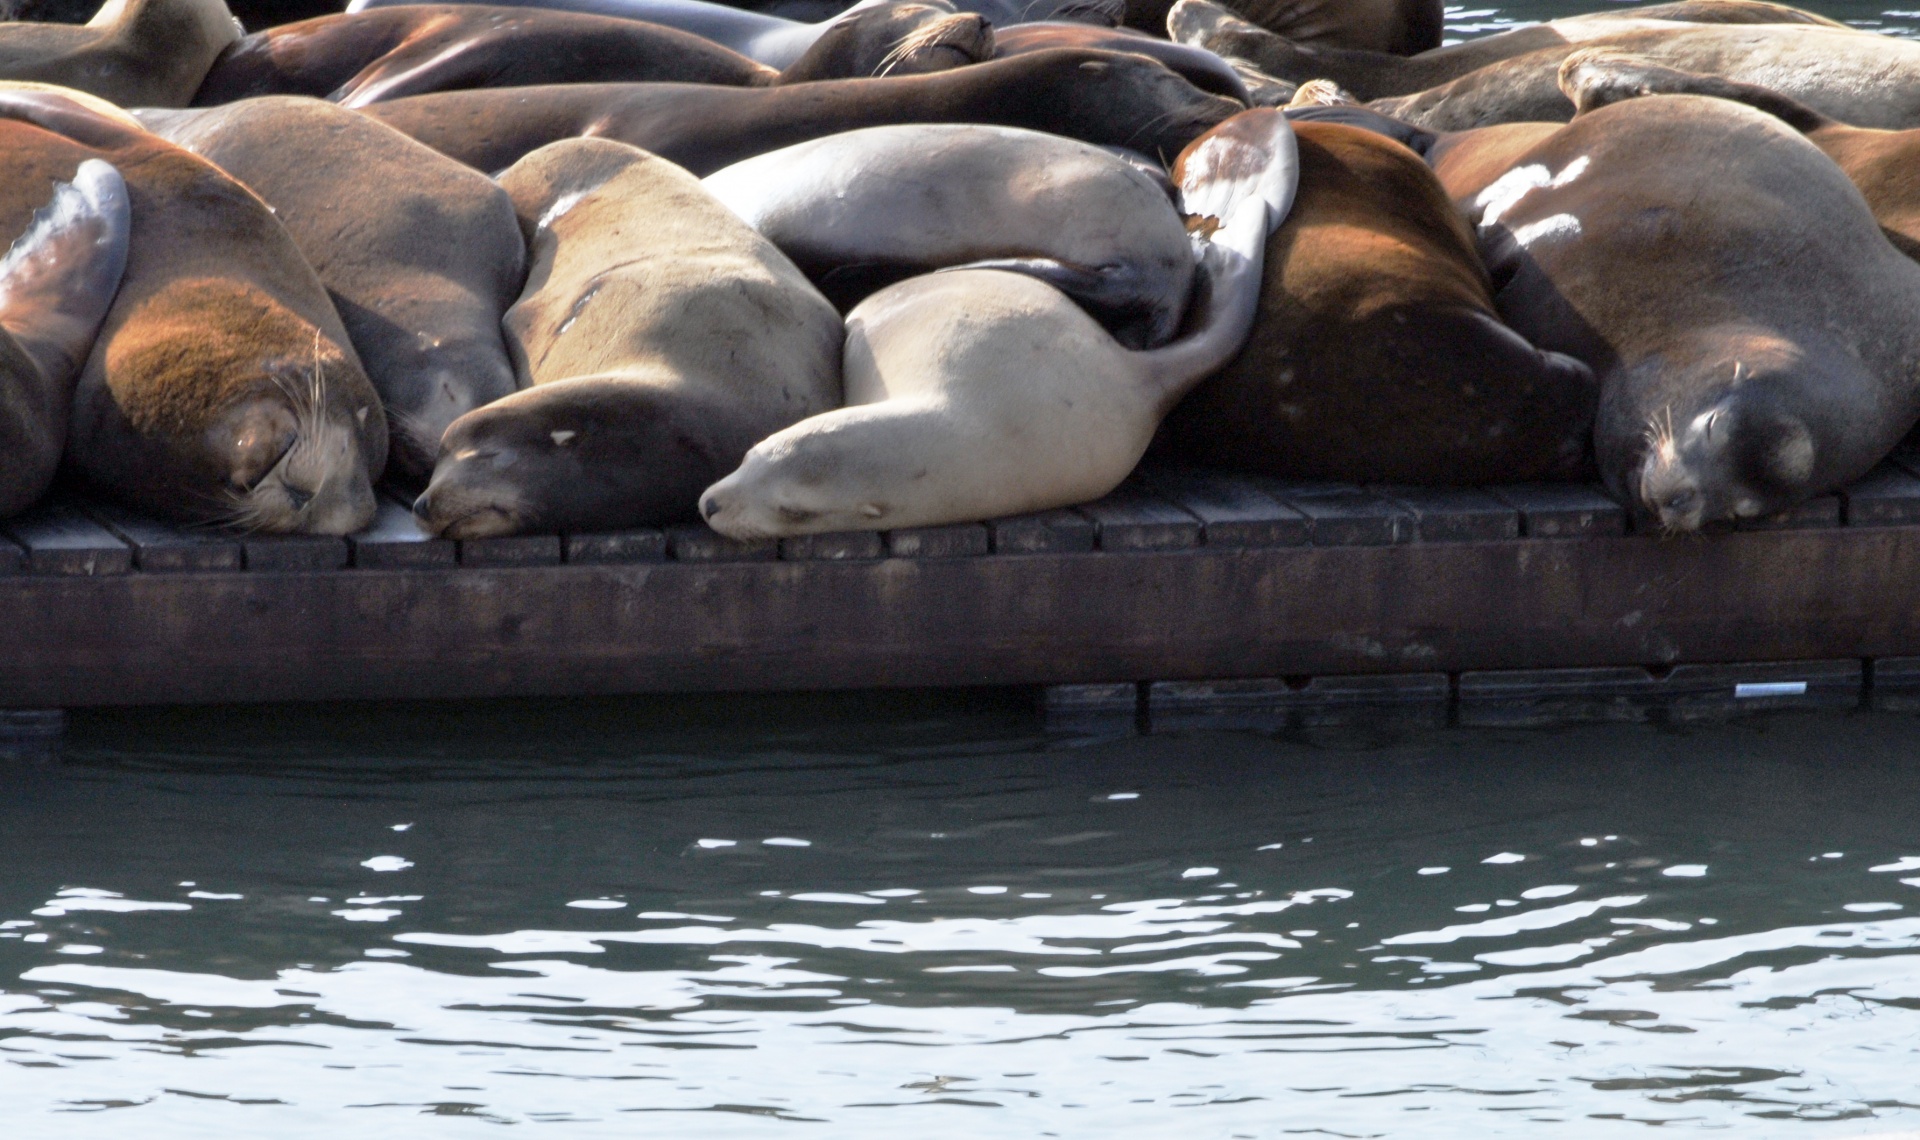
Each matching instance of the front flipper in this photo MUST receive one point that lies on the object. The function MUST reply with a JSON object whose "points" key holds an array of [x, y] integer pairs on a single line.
{"points": [[61, 275], [1136, 306], [400, 74]]}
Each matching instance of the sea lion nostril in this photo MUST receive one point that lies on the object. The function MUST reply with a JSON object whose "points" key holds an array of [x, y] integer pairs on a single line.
{"points": [[423, 506], [709, 507], [297, 497]]}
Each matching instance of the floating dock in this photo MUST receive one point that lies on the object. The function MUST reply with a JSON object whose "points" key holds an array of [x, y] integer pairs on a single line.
{"points": [[1183, 599]]}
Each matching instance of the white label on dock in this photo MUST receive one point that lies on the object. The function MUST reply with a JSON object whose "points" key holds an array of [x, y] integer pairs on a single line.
{"points": [[1748, 689]]}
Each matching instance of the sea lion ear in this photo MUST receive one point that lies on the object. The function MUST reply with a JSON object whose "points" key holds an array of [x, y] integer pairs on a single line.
{"points": [[60, 276], [1790, 453]]}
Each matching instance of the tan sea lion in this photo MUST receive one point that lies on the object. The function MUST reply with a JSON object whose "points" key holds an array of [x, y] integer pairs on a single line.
{"points": [[1378, 356], [1756, 337], [1378, 74], [420, 254], [863, 209], [1104, 98], [1884, 165], [662, 337], [981, 393], [1401, 27], [391, 53], [135, 53], [56, 282], [221, 386]]}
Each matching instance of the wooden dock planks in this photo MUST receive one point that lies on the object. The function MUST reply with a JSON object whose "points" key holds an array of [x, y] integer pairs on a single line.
{"points": [[1178, 578]]}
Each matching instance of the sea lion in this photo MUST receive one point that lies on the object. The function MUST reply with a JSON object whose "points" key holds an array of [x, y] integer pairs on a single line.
{"points": [[420, 254], [861, 210], [136, 53], [390, 53], [776, 42], [221, 386], [1098, 97], [1378, 74], [1197, 66], [1377, 355], [56, 282], [980, 393], [662, 337], [1399, 27], [1882, 164], [1756, 338]]}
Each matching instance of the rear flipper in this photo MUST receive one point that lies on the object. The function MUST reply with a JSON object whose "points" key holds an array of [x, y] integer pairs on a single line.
{"points": [[61, 275], [1140, 309], [1592, 78]]}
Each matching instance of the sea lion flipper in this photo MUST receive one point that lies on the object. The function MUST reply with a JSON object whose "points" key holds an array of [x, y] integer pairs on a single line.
{"points": [[1592, 78], [60, 276], [1131, 302], [398, 75]]}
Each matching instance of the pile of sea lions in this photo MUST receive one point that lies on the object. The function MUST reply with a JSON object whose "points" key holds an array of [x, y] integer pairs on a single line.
{"points": [[577, 265]]}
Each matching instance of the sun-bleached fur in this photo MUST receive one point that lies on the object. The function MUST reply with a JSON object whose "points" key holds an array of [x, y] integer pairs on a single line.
{"points": [[56, 282], [1377, 74], [1378, 356], [979, 393], [660, 336], [421, 255], [134, 53], [196, 396], [860, 210], [1756, 337], [1105, 98]]}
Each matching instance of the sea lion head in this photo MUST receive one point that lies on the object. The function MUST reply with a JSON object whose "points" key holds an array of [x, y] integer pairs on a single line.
{"points": [[895, 39], [251, 414], [1123, 99], [1739, 451], [587, 453], [832, 472]]}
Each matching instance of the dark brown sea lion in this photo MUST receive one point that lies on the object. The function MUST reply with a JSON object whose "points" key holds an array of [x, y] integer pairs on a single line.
{"points": [[1378, 356], [1756, 337], [1885, 165], [55, 285], [661, 338], [1377, 74], [221, 386], [1099, 97], [1401, 27], [780, 43], [390, 53], [860, 210], [420, 254], [1199, 66], [136, 53]]}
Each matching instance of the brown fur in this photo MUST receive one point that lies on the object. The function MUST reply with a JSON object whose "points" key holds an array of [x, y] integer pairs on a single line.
{"points": [[136, 53], [1377, 355]]}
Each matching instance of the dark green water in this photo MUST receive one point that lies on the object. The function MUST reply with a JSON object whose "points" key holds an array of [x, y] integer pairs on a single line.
{"points": [[866, 917]]}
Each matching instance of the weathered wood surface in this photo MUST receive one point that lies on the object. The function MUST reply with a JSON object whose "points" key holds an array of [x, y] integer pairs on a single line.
{"points": [[1176, 577]]}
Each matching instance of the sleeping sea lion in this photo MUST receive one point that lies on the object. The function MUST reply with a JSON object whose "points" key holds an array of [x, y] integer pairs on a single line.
{"points": [[771, 40], [1756, 337], [1377, 74], [1099, 97], [1401, 27], [55, 285], [980, 393], [420, 254], [662, 337], [1884, 165], [221, 386], [390, 53], [1378, 356], [861, 210], [135, 53], [1197, 66]]}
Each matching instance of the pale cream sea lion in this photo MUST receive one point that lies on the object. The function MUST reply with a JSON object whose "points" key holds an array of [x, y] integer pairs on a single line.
{"points": [[55, 285], [863, 209], [661, 337], [980, 393], [135, 53], [421, 254]]}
